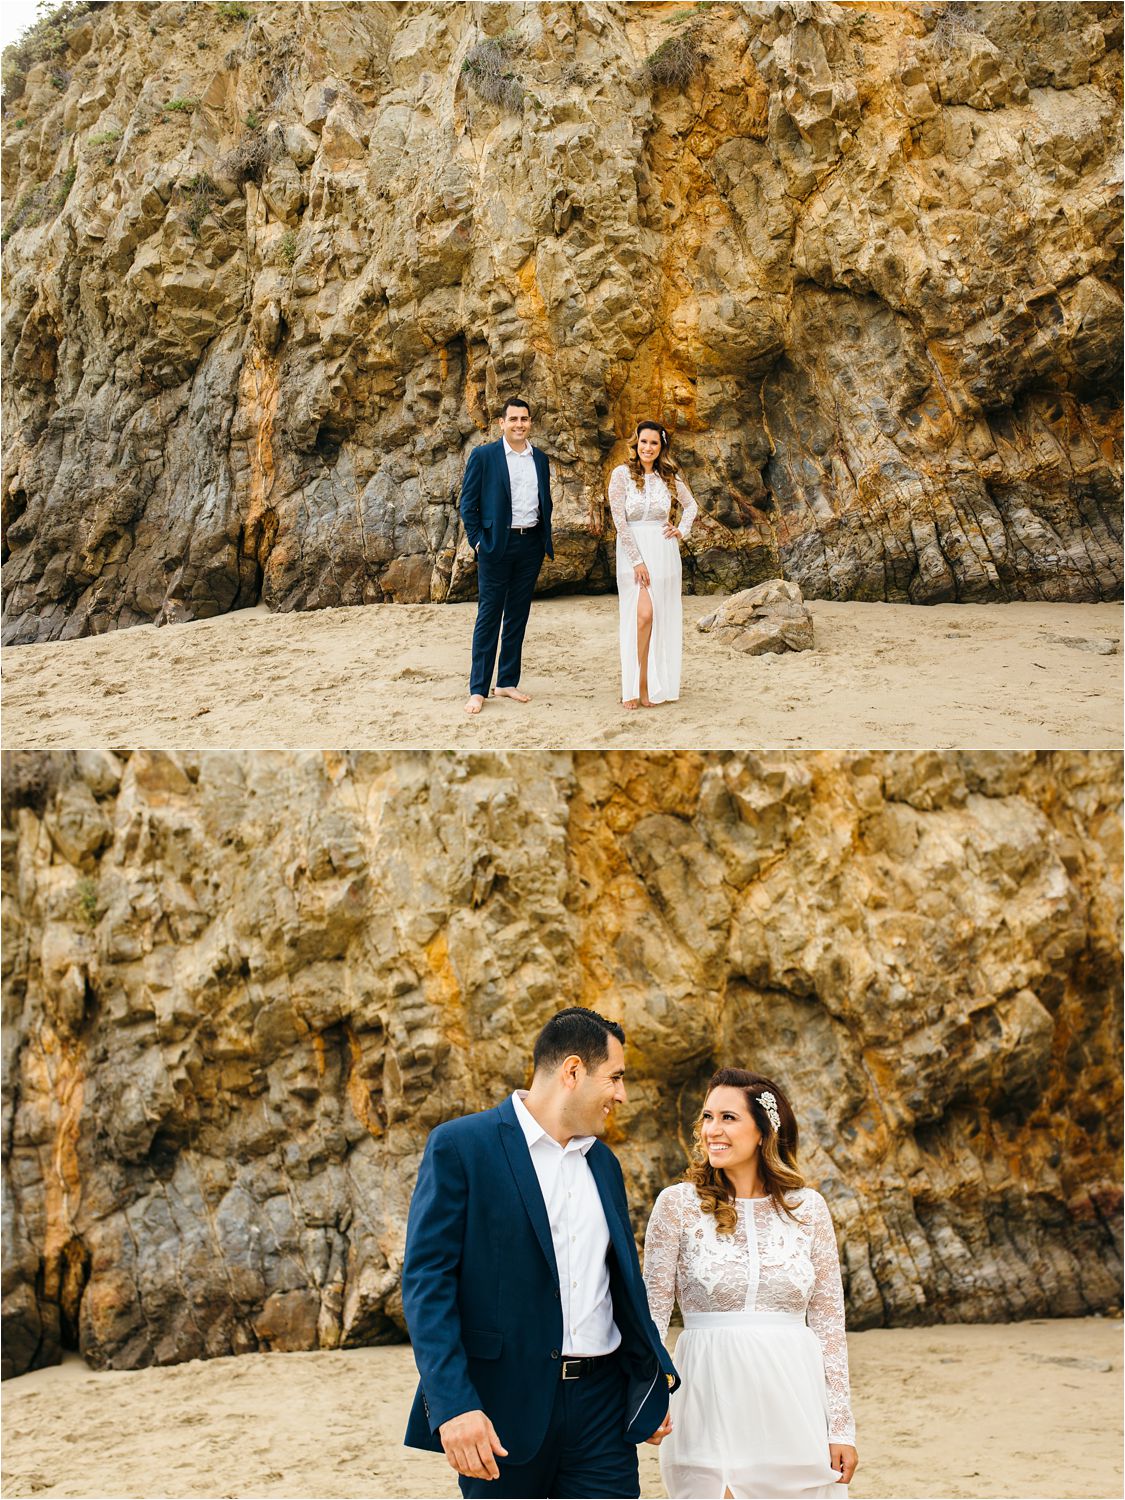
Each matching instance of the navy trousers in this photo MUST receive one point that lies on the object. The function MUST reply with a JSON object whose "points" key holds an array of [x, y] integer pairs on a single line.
{"points": [[505, 585], [585, 1455]]}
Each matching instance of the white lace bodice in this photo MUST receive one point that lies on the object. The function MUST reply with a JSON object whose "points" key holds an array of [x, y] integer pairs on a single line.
{"points": [[768, 1264], [630, 502]]}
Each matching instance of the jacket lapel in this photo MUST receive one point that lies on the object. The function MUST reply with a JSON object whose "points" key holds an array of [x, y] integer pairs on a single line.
{"points": [[505, 480], [620, 1231], [519, 1159]]}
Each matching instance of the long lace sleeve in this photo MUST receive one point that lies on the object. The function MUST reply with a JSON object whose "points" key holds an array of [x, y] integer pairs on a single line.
{"points": [[617, 482], [662, 1254], [826, 1319], [690, 508]]}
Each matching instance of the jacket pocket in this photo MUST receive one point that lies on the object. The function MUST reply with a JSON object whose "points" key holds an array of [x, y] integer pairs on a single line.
{"points": [[482, 1343]]}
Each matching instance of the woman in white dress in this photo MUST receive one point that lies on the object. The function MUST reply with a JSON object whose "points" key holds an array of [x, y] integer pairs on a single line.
{"points": [[749, 1253], [649, 576]]}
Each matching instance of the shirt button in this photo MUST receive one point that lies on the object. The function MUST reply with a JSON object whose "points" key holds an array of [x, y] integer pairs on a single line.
{"points": [[574, 1283]]}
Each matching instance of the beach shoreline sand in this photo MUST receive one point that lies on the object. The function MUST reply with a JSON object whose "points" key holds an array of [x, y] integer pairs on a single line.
{"points": [[1021, 1409], [1025, 675]]}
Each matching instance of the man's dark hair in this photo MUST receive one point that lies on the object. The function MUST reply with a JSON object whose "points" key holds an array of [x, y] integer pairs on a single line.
{"points": [[576, 1032], [517, 401]]}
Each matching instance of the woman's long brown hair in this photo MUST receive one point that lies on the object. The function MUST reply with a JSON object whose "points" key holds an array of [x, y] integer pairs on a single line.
{"points": [[665, 465], [777, 1154]]}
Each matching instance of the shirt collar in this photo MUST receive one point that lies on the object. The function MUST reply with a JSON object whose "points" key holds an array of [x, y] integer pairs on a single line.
{"points": [[534, 1132], [509, 449]]}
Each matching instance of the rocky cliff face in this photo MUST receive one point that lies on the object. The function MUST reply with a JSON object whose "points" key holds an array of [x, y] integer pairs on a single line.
{"points": [[239, 990], [271, 270]]}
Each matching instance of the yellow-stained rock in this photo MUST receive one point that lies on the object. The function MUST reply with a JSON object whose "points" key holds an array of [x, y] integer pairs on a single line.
{"points": [[225, 1050], [269, 279]]}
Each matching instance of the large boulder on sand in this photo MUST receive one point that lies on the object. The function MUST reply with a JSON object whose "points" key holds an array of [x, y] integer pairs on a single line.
{"points": [[773, 616]]}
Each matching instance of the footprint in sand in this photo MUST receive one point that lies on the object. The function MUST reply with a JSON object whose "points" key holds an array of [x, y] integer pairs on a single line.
{"points": [[413, 674]]}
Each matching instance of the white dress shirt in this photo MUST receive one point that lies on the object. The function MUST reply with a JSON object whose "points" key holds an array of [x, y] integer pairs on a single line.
{"points": [[579, 1233], [525, 484]]}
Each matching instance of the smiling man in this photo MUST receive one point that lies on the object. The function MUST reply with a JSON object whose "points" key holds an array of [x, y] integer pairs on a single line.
{"points": [[541, 1368], [506, 508]]}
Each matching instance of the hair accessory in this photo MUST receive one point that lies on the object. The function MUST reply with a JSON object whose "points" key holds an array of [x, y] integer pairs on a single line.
{"points": [[769, 1104]]}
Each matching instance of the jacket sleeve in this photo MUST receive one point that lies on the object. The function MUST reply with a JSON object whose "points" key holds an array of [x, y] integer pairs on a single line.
{"points": [[470, 498], [435, 1232]]}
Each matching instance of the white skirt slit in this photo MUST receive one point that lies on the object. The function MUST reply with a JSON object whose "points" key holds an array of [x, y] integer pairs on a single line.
{"points": [[661, 555]]}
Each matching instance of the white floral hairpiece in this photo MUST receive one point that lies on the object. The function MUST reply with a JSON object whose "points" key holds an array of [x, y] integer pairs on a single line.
{"points": [[769, 1104]]}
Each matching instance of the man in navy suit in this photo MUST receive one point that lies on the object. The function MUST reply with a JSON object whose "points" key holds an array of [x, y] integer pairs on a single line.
{"points": [[541, 1368], [506, 507]]}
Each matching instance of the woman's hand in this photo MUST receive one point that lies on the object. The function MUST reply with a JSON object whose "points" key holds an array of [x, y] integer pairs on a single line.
{"points": [[661, 1432], [671, 531], [845, 1461], [640, 573]]}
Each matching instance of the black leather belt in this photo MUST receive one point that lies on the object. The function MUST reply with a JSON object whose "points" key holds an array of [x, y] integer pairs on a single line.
{"points": [[533, 527], [574, 1369]]}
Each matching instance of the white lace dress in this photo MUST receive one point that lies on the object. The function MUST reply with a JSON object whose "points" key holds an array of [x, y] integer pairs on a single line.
{"points": [[763, 1356], [640, 514]]}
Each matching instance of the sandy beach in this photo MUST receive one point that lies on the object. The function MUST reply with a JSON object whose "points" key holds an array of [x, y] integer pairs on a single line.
{"points": [[1017, 675], [1025, 1409]]}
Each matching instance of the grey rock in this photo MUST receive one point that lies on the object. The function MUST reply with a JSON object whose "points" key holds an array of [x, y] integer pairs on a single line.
{"points": [[1099, 646], [772, 617]]}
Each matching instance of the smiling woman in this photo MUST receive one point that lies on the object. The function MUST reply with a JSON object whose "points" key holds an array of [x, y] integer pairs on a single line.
{"points": [[739, 1158], [642, 496], [750, 1254]]}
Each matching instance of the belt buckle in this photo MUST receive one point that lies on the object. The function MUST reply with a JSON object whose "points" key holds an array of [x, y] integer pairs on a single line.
{"points": [[567, 1362]]}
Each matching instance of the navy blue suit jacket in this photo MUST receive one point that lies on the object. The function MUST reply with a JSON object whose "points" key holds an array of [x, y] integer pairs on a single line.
{"points": [[480, 1290], [486, 498]]}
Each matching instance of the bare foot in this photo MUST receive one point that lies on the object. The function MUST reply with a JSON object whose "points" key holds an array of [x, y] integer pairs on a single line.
{"points": [[647, 703], [631, 703], [511, 693], [475, 704]]}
